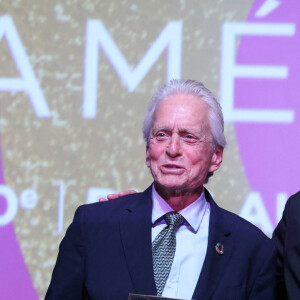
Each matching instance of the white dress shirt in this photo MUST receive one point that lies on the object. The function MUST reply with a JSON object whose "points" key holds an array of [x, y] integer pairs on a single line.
{"points": [[191, 244]]}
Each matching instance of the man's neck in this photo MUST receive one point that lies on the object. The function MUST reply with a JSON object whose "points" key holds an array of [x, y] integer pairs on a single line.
{"points": [[178, 199]]}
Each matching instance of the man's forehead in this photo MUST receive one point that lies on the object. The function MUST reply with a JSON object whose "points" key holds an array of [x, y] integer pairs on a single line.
{"points": [[182, 101], [180, 127], [182, 109]]}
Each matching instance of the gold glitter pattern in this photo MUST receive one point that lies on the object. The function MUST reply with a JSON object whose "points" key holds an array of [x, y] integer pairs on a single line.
{"points": [[70, 154]]}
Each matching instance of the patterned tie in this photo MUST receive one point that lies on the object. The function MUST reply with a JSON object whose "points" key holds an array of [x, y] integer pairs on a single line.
{"points": [[163, 250]]}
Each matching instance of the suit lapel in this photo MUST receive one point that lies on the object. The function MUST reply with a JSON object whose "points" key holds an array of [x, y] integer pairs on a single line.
{"points": [[135, 229], [214, 264]]}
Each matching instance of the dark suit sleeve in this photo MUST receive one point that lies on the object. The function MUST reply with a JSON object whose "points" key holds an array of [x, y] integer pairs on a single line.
{"points": [[287, 239], [68, 274], [265, 282]]}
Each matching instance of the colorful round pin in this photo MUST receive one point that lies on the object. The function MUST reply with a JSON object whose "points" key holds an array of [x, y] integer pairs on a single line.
{"points": [[219, 248]]}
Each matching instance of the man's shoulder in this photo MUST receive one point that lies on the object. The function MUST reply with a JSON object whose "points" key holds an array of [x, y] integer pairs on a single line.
{"points": [[231, 222], [111, 208], [294, 201], [241, 228], [291, 212]]}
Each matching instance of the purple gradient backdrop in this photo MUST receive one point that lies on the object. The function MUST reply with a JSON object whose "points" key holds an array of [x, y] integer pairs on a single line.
{"points": [[15, 280], [270, 151]]}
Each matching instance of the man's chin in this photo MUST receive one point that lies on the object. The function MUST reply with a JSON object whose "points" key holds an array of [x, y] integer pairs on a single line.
{"points": [[176, 187], [169, 185]]}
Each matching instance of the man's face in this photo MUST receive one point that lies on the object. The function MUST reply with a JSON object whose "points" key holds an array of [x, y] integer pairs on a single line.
{"points": [[180, 151]]}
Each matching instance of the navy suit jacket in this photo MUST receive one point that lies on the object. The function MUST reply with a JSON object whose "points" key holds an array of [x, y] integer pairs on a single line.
{"points": [[287, 238], [106, 253]]}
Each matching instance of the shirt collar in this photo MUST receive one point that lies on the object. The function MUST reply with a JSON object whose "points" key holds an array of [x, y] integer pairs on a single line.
{"points": [[193, 213]]}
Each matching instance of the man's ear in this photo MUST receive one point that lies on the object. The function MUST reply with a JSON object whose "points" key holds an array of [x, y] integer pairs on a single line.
{"points": [[148, 156], [216, 159]]}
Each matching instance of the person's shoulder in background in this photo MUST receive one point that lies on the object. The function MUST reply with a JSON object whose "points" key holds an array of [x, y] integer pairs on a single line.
{"points": [[287, 238]]}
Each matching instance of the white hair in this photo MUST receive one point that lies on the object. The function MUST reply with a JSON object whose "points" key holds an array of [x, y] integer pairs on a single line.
{"points": [[194, 88]]}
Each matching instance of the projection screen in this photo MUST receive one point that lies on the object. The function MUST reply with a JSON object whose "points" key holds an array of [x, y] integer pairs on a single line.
{"points": [[75, 81]]}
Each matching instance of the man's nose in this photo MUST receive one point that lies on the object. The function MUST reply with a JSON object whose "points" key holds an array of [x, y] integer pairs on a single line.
{"points": [[174, 147]]}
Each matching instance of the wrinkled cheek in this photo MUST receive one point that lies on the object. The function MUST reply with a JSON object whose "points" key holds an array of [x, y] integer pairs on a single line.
{"points": [[198, 177], [154, 170]]}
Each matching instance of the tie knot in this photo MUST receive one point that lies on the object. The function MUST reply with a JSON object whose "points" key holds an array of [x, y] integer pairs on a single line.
{"points": [[174, 219]]}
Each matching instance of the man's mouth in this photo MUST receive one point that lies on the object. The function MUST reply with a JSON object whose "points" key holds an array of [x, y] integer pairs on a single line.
{"points": [[172, 169], [172, 166]]}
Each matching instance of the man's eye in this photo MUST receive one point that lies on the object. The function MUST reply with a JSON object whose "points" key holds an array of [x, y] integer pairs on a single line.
{"points": [[189, 137], [160, 135]]}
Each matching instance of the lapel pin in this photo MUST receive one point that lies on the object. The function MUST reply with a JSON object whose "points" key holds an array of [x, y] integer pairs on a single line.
{"points": [[219, 248]]}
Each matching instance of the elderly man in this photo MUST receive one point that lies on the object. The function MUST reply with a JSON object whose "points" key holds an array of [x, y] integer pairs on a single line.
{"points": [[172, 240]]}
